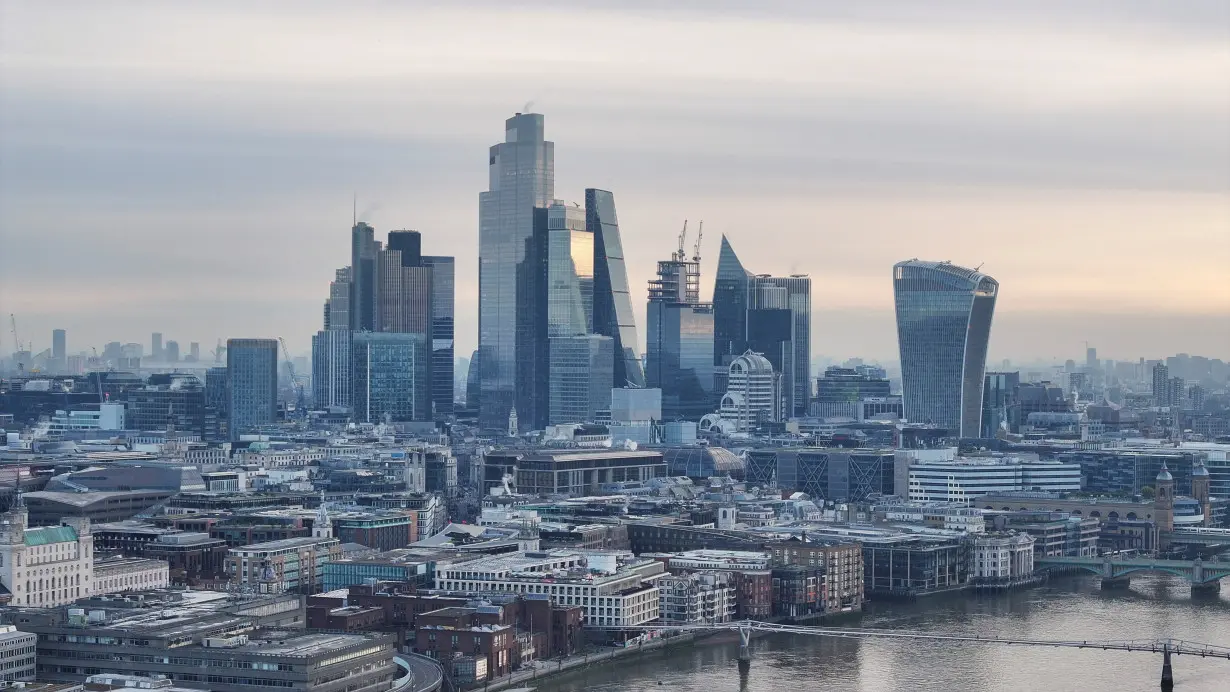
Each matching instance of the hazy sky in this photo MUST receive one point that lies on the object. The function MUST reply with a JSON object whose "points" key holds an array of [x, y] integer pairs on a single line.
{"points": [[188, 167]]}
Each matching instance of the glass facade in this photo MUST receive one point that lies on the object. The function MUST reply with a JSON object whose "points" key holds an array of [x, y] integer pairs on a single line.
{"points": [[252, 375], [331, 369], [730, 303], [580, 377], [363, 256], [679, 360], [443, 273], [570, 272], [521, 177], [612, 303], [389, 372], [943, 328]]}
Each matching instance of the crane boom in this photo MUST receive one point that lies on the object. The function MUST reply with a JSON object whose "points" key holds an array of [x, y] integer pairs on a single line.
{"points": [[700, 233], [13, 324]]}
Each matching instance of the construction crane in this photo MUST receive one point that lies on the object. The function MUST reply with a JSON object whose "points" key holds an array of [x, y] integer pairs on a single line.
{"points": [[300, 397], [700, 233], [683, 235], [17, 341]]}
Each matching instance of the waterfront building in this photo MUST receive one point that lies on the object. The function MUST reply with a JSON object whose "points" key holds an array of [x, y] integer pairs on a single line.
{"points": [[1002, 558], [615, 589], [943, 329], [252, 381], [1055, 534], [842, 563], [696, 598], [679, 357], [332, 372], [907, 566], [964, 480], [521, 177], [389, 376]]}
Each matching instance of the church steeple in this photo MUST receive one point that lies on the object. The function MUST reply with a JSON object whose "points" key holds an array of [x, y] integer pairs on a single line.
{"points": [[323, 526]]}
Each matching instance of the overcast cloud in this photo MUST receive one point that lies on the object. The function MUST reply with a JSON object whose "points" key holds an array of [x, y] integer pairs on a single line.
{"points": [[188, 167]]}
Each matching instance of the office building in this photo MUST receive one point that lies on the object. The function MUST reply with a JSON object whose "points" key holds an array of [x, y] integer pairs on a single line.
{"points": [[521, 178], [612, 302], [403, 291], [679, 357], [841, 475], [753, 395], [943, 328], [17, 654], [290, 565], [389, 376], [364, 257], [155, 352], [331, 369], [767, 314], [59, 348], [209, 641], [569, 471], [840, 390], [171, 401], [171, 351], [217, 393], [579, 377], [252, 377], [1161, 385], [964, 480], [337, 305], [999, 392], [194, 351], [1002, 558], [443, 354]]}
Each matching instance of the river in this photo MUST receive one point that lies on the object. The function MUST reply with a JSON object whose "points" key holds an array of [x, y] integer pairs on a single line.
{"points": [[1069, 607]]}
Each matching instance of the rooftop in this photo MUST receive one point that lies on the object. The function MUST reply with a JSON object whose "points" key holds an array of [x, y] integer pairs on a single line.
{"points": [[282, 544]]}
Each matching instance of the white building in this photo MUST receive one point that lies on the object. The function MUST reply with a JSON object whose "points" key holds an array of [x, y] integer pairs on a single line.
{"points": [[964, 479], [1002, 557], [753, 393], [703, 597], [614, 588], [108, 417], [938, 515], [119, 574], [16, 654], [45, 566]]}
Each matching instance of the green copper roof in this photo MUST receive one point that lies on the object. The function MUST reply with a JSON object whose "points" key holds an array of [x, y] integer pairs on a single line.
{"points": [[45, 535]]}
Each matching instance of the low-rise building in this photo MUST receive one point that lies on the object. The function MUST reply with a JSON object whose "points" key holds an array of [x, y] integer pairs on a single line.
{"points": [[696, 598], [1055, 534], [17, 654], [118, 574], [1001, 558], [842, 563], [451, 632], [613, 588], [48, 565], [293, 565]]}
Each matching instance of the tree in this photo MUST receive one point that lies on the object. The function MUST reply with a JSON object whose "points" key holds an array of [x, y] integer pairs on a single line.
{"points": [[1147, 492]]}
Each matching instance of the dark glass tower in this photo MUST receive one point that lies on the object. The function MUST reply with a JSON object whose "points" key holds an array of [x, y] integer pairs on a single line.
{"points": [[943, 328], [364, 251], [521, 177], [612, 302], [730, 304], [252, 381], [679, 357], [443, 273]]}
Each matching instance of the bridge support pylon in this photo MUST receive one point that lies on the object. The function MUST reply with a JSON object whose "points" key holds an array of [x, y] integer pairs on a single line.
{"points": [[1116, 583], [745, 653], [1167, 671], [1207, 589]]}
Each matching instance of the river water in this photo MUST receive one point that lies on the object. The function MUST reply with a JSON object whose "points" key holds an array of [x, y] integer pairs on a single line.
{"points": [[1070, 607]]}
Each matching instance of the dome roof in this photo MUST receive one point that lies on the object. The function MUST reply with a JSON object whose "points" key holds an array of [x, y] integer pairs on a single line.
{"points": [[751, 362], [1199, 470], [1164, 474]]}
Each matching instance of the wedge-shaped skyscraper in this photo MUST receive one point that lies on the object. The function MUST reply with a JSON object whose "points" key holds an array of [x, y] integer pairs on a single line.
{"points": [[943, 328]]}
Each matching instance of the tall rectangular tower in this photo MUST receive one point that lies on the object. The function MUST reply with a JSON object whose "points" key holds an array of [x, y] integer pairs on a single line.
{"points": [[252, 380], [679, 357], [521, 177], [443, 300], [364, 251]]}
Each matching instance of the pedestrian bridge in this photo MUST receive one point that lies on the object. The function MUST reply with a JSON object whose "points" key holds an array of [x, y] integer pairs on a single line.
{"points": [[1116, 571]]}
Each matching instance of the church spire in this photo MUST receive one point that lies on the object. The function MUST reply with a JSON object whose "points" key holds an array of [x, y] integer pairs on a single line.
{"points": [[323, 526]]}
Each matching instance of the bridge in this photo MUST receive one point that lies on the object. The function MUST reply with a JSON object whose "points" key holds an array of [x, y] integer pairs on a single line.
{"points": [[1116, 572], [1198, 535], [1166, 647]]}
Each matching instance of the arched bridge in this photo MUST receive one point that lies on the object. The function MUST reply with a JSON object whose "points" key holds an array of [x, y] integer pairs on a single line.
{"points": [[1115, 572]]}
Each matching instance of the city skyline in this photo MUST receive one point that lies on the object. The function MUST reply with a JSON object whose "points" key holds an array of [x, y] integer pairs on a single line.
{"points": [[1068, 183]]}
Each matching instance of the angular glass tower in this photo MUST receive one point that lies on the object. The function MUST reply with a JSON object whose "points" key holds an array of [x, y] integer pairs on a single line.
{"points": [[612, 302], [943, 328], [730, 303], [679, 353], [521, 176]]}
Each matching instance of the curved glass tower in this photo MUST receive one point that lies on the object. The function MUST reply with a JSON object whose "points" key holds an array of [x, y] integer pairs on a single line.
{"points": [[943, 327]]}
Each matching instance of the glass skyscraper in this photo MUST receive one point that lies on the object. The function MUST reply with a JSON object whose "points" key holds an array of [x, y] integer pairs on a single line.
{"points": [[331, 369], [443, 273], [521, 177], [943, 328], [612, 302], [389, 372], [738, 295], [252, 381], [679, 357], [364, 252]]}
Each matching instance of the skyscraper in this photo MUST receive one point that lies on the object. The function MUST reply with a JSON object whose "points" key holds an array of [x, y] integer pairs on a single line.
{"points": [[521, 177], [364, 251], [612, 303], [403, 293], [443, 301], [337, 306], [252, 378], [155, 351], [943, 328], [171, 351], [1161, 385], [59, 347], [680, 341], [331, 369], [747, 314]]}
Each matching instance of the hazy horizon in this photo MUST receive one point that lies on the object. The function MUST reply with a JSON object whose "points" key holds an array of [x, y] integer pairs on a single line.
{"points": [[189, 168]]}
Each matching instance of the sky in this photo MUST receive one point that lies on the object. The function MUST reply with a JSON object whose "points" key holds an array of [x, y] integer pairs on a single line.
{"points": [[190, 167]]}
